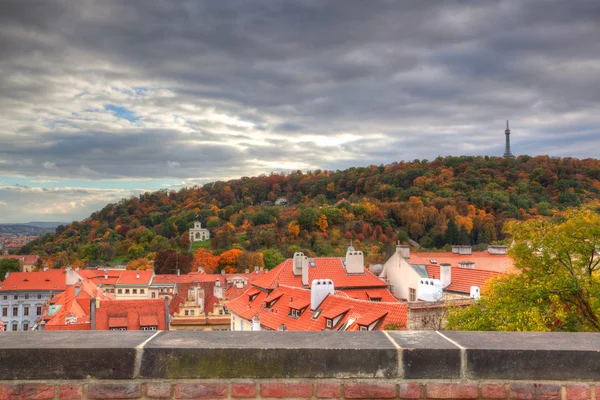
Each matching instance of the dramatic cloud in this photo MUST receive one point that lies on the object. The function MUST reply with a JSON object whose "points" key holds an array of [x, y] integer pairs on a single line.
{"points": [[182, 92]]}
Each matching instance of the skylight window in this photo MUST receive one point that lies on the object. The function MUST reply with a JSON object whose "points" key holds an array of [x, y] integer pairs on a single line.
{"points": [[316, 314], [347, 324]]}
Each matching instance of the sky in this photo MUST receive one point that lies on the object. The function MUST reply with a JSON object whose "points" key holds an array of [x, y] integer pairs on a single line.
{"points": [[101, 99]]}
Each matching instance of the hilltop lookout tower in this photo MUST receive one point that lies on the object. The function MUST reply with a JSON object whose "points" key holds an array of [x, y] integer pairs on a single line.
{"points": [[507, 153]]}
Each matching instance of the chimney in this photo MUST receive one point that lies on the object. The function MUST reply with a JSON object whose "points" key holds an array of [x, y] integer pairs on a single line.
{"points": [[246, 271], [218, 290], [93, 313], [178, 272], [404, 251], [462, 250], [320, 289], [282, 327], [498, 250], [76, 268], [7, 274], [167, 316], [466, 264], [256, 269], [137, 275], [298, 263], [256, 323], [355, 261], [445, 274]]}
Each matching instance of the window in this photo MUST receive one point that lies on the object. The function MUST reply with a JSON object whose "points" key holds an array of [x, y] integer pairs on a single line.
{"points": [[39, 311], [364, 328], [39, 296], [5, 297], [134, 291], [25, 326], [25, 310], [26, 297], [142, 291], [412, 294], [153, 295], [329, 323], [5, 312], [220, 312], [16, 297], [118, 329], [15, 327], [120, 291], [148, 328], [186, 313], [192, 313], [126, 291], [15, 311]]}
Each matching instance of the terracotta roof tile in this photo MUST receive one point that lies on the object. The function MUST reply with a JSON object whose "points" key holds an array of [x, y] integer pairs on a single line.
{"points": [[370, 317], [462, 279], [148, 320], [117, 322], [52, 279], [482, 259]]}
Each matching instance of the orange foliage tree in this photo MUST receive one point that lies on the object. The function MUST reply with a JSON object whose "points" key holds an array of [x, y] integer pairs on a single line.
{"points": [[206, 260], [139, 263], [229, 258]]}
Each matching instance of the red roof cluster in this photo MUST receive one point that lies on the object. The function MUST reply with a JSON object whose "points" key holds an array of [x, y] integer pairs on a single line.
{"points": [[24, 259], [131, 314], [52, 279], [118, 276], [325, 268], [482, 260], [353, 313], [462, 279], [209, 298]]}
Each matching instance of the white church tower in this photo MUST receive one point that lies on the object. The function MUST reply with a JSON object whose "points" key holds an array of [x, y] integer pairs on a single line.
{"points": [[198, 233]]}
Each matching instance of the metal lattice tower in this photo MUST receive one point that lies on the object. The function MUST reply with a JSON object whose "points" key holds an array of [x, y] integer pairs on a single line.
{"points": [[507, 153]]}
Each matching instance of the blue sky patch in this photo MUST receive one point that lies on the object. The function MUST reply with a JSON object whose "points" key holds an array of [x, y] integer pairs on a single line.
{"points": [[122, 112]]}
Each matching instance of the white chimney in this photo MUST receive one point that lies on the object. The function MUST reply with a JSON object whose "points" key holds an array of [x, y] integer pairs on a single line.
{"points": [[404, 250], [466, 264], [498, 250], [445, 274], [218, 290], [475, 292], [320, 289], [355, 262], [246, 271], [256, 269], [256, 323], [7, 274], [299, 260], [462, 249], [137, 275], [178, 272], [223, 272]]}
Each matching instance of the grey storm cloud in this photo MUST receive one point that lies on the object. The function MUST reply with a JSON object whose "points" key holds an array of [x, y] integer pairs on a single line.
{"points": [[224, 89]]}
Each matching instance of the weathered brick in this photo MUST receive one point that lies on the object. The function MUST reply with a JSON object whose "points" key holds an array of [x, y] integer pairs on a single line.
{"points": [[360, 390], [411, 390], [114, 391], [451, 391], [70, 392], [493, 391], [286, 389], [579, 392], [200, 390], [243, 390], [537, 391], [30, 391], [158, 390], [329, 390]]}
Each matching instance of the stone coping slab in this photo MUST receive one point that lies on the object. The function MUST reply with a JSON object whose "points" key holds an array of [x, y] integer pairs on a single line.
{"points": [[285, 355]]}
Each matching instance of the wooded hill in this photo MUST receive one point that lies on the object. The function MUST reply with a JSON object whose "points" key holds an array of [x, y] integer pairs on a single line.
{"points": [[450, 200]]}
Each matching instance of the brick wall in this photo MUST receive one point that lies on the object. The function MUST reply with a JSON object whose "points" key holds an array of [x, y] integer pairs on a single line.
{"points": [[318, 365]]}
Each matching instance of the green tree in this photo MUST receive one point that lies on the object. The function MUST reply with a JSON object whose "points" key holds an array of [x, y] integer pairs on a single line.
{"points": [[9, 265], [272, 258], [452, 233], [308, 218], [135, 251], [558, 288]]}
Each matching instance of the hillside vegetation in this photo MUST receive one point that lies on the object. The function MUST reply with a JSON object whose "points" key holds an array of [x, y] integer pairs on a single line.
{"points": [[451, 200]]}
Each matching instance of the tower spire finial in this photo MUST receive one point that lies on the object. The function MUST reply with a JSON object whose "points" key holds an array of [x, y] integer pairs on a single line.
{"points": [[506, 124], [507, 153]]}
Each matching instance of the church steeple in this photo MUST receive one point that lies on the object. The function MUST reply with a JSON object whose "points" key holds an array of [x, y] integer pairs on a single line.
{"points": [[507, 153]]}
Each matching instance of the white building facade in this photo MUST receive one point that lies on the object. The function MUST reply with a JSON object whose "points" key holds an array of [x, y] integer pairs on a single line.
{"points": [[198, 233]]}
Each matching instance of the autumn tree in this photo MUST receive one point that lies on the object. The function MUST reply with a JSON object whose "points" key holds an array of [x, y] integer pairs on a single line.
{"points": [[206, 260], [170, 260], [248, 260], [139, 263], [293, 229], [558, 288], [229, 258], [322, 223]]}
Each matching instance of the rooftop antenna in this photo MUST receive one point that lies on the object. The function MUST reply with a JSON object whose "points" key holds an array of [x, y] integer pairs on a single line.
{"points": [[507, 153]]}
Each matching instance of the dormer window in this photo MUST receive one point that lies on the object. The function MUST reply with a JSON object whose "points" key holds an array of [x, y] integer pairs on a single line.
{"points": [[329, 323]]}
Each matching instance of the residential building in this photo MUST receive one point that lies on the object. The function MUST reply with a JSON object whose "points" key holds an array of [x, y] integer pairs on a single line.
{"points": [[319, 308], [122, 284], [23, 295], [431, 276], [199, 307]]}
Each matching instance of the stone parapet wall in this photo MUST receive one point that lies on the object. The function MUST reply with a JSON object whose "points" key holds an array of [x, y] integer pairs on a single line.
{"points": [[352, 365]]}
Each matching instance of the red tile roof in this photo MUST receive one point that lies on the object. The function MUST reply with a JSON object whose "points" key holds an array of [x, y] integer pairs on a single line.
{"points": [[234, 292], [117, 322], [325, 268], [148, 320], [52, 279], [132, 310], [370, 294], [482, 259], [192, 277], [279, 313], [371, 317], [462, 279], [118, 276], [209, 297]]}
